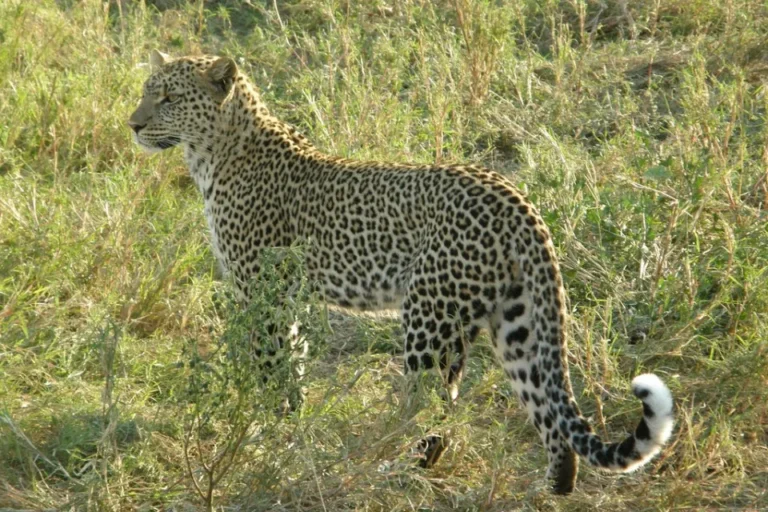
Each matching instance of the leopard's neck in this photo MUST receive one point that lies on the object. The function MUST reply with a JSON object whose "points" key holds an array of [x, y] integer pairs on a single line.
{"points": [[244, 132]]}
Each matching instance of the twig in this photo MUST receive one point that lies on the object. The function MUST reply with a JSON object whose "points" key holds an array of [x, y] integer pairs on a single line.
{"points": [[5, 418]]}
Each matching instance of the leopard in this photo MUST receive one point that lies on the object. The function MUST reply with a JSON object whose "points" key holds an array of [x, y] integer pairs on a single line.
{"points": [[458, 249]]}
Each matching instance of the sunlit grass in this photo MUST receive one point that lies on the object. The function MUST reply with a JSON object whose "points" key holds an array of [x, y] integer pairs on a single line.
{"points": [[639, 131]]}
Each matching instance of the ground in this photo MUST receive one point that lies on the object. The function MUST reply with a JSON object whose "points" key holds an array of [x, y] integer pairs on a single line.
{"points": [[639, 132]]}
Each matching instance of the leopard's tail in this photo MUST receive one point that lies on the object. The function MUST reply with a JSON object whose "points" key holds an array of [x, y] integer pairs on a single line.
{"points": [[549, 360], [638, 448]]}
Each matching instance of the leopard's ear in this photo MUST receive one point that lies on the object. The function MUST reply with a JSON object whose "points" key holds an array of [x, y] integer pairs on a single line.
{"points": [[221, 75], [157, 60]]}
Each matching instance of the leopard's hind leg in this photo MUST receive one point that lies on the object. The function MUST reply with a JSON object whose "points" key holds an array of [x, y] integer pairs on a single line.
{"points": [[515, 342]]}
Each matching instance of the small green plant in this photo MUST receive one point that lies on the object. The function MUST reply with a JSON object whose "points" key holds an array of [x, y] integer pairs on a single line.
{"points": [[240, 388]]}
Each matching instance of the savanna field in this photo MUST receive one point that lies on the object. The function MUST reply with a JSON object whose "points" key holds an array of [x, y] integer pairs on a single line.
{"points": [[638, 128]]}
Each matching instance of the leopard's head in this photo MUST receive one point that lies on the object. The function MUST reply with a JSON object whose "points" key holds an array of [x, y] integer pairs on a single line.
{"points": [[181, 100]]}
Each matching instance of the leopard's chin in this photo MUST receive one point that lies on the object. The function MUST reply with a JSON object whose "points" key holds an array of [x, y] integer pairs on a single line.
{"points": [[156, 146]]}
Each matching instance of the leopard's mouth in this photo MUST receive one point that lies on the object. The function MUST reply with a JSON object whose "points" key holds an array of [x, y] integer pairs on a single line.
{"points": [[168, 142]]}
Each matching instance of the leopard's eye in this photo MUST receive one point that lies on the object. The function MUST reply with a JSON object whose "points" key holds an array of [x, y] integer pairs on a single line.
{"points": [[169, 99]]}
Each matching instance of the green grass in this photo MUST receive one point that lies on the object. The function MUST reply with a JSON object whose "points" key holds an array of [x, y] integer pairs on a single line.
{"points": [[639, 131]]}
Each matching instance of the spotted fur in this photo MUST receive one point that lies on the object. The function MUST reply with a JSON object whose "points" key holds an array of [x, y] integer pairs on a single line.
{"points": [[458, 247]]}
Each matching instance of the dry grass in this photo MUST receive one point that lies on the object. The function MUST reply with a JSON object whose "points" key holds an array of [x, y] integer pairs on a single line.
{"points": [[638, 127]]}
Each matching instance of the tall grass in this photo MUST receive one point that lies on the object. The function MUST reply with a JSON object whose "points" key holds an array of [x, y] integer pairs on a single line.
{"points": [[637, 127]]}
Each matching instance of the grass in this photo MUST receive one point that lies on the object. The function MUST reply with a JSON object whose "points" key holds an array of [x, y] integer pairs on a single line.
{"points": [[637, 127]]}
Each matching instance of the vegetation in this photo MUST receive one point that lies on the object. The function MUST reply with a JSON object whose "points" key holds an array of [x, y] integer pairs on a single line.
{"points": [[639, 128]]}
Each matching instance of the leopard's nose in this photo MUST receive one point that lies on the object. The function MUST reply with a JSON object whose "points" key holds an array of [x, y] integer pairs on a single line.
{"points": [[136, 127]]}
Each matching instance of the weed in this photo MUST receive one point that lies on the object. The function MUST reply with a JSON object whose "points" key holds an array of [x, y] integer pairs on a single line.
{"points": [[253, 370]]}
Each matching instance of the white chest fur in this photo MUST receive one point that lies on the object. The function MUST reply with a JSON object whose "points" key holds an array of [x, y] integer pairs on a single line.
{"points": [[201, 170]]}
